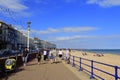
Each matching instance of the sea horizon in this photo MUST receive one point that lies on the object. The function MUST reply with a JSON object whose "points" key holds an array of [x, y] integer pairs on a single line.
{"points": [[102, 51]]}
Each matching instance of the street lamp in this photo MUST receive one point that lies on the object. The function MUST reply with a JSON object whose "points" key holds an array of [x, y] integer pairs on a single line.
{"points": [[28, 34]]}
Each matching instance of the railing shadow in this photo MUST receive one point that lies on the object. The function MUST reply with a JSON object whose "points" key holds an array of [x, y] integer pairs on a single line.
{"points": [[92, 68]]}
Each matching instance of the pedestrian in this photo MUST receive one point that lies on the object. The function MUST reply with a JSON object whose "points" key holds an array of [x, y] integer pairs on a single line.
{"points": [[38, 56], [68, 56], [54, 54], [45, 54], [60, 53], [25, 56], [51, 56]]}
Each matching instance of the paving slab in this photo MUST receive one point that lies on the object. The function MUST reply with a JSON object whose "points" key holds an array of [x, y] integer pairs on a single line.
{"points": [[80, 74], [44, 71]]}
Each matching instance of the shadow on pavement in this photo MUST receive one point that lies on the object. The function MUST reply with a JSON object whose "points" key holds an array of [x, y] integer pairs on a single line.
{"points": [[31, 64], [6, 75]]}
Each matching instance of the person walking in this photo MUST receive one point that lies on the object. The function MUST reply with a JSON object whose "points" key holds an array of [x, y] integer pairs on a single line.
{"points": [[25, 56], [54, 52], [51, 56], [68, 56], [60, 53], [45, 54], [38, 56]]}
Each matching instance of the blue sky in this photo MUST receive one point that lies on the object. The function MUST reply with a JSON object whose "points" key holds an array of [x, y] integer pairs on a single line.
{"points": [[91, 24]]}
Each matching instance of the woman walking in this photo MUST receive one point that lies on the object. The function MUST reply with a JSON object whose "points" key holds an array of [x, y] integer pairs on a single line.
{"points": [[60, 53]]}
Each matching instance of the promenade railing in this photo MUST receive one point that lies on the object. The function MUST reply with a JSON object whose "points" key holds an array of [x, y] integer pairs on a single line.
{"points": [[91, 68]]}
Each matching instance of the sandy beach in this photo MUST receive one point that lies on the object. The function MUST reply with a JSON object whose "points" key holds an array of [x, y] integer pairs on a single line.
{"points": [[107, 58]]}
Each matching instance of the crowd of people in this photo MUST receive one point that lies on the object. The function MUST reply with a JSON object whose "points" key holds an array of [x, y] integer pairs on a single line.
{"points": [[52, 55]]}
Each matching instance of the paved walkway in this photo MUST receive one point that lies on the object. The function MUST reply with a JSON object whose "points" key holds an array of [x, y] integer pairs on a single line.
{"points": [[47, 71]]}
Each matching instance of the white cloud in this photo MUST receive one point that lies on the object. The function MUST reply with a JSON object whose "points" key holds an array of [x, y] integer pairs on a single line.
{"points": [[13, 5], [74, 37], [84, 41], [87, 37], [49, 31], [112, 36], [78, 29], [65, 30], [105, 3], [67, 38]]}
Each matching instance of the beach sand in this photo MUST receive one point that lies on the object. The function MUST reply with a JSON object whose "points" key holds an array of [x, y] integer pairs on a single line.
{"points": [[107, 58]]}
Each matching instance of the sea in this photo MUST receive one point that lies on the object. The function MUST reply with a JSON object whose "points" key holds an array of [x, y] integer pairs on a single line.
{"points": [[102, 51]]}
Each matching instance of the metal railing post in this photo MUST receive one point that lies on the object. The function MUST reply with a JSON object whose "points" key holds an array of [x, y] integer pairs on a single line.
{"points": [[116, 72], [92, 70], [73, 61], [80, 64]]}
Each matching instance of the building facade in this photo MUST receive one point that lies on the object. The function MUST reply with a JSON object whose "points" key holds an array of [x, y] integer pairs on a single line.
{"points": [[11, 38], [8, 36], [43, 44]]}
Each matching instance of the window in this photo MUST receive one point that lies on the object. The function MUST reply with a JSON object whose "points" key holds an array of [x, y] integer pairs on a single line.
{"points": [[0, 30]]}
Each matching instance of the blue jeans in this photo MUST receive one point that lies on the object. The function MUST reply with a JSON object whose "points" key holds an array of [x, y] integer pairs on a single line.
{"points": [[25, 59]]}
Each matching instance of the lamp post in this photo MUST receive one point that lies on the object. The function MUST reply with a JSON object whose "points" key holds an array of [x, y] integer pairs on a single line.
{"points": [[28, 40]]}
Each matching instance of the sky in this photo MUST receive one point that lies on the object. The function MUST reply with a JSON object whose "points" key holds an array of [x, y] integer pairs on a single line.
{"points": [[81, 24]]}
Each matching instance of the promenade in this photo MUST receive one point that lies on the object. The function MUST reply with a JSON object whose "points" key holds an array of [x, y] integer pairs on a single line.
{"points": [[44, 71]]}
